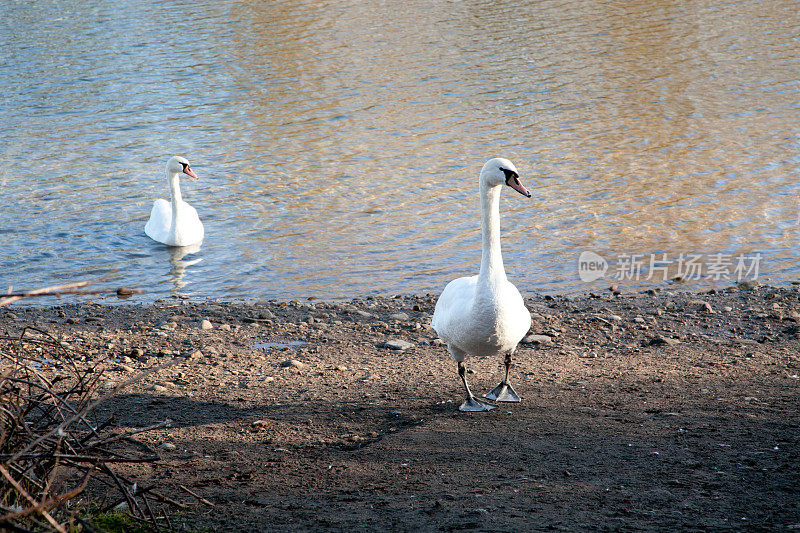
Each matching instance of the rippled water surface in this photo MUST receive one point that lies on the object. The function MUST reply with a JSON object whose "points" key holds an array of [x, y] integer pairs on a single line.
{"points": [[338, 143]]}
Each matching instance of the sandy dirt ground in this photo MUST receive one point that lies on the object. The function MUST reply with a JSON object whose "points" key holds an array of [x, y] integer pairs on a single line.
{"points": [[655, 411]]}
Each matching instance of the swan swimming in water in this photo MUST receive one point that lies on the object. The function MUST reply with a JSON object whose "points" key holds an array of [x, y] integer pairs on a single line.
{"points": [[485, 315], [175, 223]]}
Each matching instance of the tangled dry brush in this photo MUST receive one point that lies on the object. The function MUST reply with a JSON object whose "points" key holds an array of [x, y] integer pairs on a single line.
{"points": [[52, 446]]}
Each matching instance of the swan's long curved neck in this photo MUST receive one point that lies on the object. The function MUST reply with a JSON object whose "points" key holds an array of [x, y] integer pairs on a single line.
{"points": [[174, 188], [175, 196], [492, 269]]}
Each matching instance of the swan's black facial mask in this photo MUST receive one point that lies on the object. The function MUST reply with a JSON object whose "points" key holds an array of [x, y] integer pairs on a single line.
{"points": [[512, 180]]}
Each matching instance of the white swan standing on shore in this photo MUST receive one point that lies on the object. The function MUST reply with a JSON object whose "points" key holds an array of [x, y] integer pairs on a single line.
{"points": [[175, 223], [485, 315]]}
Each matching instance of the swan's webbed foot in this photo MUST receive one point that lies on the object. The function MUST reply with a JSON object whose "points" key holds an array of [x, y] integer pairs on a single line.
{"points": [[473, 404], [504, 392]]}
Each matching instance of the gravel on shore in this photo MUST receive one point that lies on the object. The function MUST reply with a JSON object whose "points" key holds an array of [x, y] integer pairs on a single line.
{"points": [[653, 410]]}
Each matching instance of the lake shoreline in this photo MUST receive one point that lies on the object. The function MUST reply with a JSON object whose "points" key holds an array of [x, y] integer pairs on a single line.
{"points": [[661, 409]]}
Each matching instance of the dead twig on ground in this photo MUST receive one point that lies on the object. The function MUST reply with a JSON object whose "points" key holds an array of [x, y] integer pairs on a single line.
{"points": [[199, 498], [65, 289], [52, 446]]}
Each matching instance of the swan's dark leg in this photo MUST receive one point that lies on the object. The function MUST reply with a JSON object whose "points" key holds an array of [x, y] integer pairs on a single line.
{"points": [[504, 392], [471, 403]]}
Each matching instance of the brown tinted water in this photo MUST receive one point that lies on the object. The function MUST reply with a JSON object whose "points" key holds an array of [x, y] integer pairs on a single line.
{"points": [[338, 143]]}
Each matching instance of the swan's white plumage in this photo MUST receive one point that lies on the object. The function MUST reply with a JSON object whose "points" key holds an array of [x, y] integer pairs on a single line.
{"points": [[175, 222], [485, 315], [480, 321], [188, 231]]}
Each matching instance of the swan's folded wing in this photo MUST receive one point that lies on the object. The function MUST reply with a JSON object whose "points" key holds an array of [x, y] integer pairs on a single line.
{"points": [[189, 213], [519, 316], [455, 300], [192, 230], [157, 228]]}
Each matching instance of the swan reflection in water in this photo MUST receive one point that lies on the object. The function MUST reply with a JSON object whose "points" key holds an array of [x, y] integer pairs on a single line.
{"points": [[178, 270]]}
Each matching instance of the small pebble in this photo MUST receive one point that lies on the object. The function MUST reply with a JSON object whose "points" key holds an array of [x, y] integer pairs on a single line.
{"points": [[700, 306], [537, 339], [206, 324], [124, 292], [397, 344], [662, 340]]}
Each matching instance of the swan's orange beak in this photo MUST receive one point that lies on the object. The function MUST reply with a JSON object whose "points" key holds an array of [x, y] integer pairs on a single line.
{"points": [[513, 182], [190, 172]]}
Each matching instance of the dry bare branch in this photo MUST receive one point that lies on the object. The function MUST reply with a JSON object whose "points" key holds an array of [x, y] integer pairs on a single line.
{"points": [[48, 433]]}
